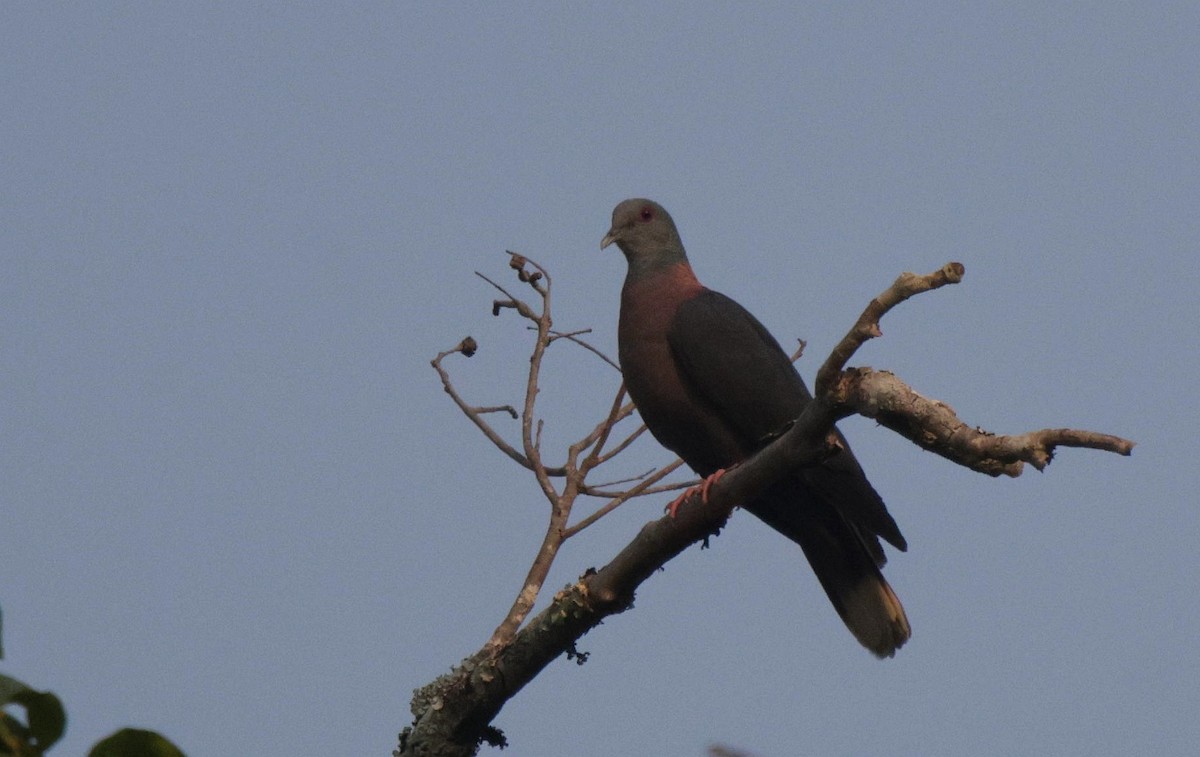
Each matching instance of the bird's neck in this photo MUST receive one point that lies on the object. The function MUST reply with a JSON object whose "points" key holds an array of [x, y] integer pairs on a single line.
{"points": [[661, 286], [658, 263]]}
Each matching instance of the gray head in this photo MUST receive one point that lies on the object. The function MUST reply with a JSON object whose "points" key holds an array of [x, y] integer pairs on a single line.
{"points": [[645, 233]]}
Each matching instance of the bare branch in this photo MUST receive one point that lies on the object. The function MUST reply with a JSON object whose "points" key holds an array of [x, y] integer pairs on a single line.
{"points": [[934, 426], [475, 413], [560, 503], [867, 327], [601, 433], [520, 306], [624, 442], [512, 411], [467, 347], [594, 489], [517, 262], [641, 489], [799, 350], [594, 459], [573, 337], [601, 490], [556, 335]]}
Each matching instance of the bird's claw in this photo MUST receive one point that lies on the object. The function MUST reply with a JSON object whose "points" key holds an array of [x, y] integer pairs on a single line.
{"points": [[702, 487]]}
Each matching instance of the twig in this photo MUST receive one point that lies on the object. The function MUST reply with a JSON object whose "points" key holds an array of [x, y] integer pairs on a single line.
{"points": [[867, 327], [573, 337], [623, 444], [799, 350], [624, 497], [560, 504], [600, 492], [628, 479], [601, 433], [467, 347], [512, 411]]}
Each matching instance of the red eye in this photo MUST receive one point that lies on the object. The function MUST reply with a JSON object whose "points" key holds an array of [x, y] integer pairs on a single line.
{"points": [[647, 212]]}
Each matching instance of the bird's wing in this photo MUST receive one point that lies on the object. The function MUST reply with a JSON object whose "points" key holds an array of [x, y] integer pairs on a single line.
{"points": [[735, 368], [736, 371]]}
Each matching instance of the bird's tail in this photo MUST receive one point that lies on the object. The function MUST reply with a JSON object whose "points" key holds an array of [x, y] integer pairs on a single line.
{"points": [[847, 569], [871, 610]]}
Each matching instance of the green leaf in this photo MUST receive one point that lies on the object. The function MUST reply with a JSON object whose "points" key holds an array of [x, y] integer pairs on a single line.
{"points": [[43, 711], [134, 742]]}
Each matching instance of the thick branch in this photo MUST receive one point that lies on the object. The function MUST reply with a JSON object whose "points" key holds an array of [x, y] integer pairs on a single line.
{"points": [[934, 426], [453, 713]]}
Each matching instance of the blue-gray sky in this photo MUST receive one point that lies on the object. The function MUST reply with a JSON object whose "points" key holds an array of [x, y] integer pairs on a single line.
{"points": [[238, 508]]}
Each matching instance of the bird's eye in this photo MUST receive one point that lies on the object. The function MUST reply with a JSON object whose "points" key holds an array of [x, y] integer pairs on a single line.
{"points": [[647, 212]]}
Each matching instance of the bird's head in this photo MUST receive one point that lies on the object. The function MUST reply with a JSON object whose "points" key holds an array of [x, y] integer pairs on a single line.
{"points": [[645, 233]]}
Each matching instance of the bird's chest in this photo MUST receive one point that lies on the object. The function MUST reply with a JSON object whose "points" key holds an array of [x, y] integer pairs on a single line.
{"points": [[677, 418], [651, 374], [653, 380]]}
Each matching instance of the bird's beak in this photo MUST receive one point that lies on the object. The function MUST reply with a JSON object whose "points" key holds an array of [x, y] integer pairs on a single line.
{"points": [[609, 238]]}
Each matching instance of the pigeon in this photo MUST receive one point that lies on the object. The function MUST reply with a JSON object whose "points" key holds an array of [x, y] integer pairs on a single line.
{"points": [[713, 386]]}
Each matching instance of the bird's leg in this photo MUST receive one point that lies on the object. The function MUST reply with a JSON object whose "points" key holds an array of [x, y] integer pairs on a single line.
{"points": [[702, 487]]}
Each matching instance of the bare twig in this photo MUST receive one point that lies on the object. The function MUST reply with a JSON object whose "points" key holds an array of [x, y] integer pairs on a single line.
{"points": [[517, 262], [520, 306], [467, 347], [574, 337], [624, 442], [721, 750], [867, 327], [601, 491], [598, 436], [560, 506], [574, 472], [799, 350], [637, 491], [512, 411], [591, 489]]}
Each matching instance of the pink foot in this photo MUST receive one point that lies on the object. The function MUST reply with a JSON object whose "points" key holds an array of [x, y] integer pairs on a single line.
{"points": [[702, 487]]}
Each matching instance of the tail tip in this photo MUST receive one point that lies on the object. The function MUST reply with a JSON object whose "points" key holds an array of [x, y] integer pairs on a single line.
{"points": [[876, 618]]}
